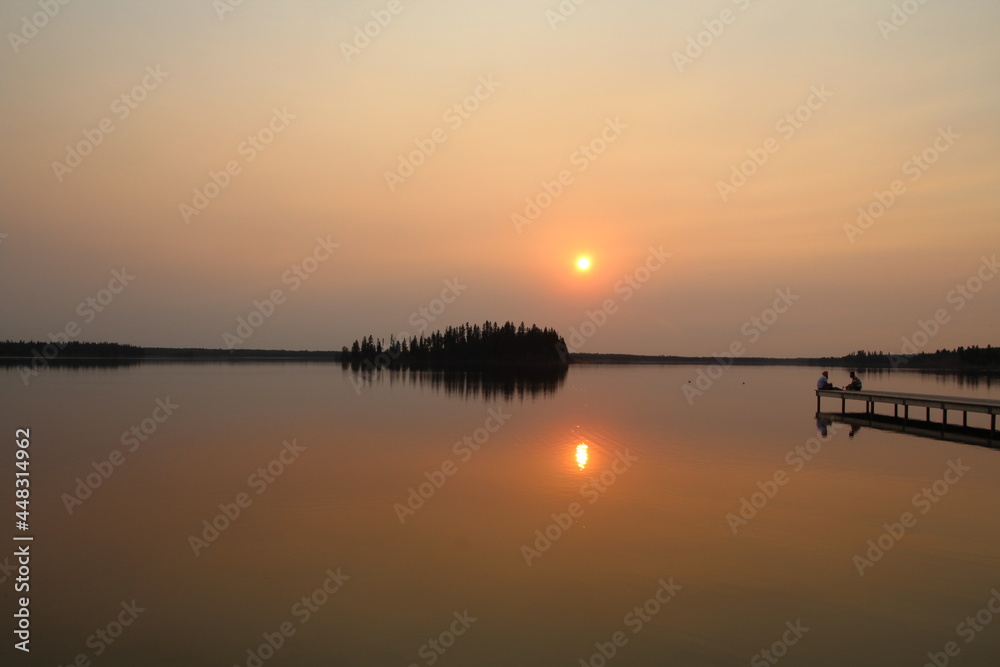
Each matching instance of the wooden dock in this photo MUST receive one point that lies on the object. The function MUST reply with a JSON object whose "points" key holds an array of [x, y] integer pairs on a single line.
{"points": [[928, 402]]}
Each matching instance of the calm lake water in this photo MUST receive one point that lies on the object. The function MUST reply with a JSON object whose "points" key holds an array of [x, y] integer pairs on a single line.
{"points": [[410, 523]]}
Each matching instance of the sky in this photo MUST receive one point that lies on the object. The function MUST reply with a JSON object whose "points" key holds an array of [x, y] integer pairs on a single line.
{"points": [[790, 178]]}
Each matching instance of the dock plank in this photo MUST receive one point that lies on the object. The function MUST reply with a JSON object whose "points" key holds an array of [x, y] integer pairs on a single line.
{"points": [[983, 405]]}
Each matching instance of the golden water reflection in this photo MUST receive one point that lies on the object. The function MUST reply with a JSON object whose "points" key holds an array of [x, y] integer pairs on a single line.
{"points": [[581, 456]]}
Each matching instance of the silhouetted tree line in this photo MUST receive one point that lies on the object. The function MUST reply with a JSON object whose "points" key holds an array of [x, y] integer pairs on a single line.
{"points": [[203, 354], [78, 349], [965, 358], [467, 345]]}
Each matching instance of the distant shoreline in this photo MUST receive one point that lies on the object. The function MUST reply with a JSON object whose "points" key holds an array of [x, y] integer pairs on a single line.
{"points": [[189, 354], [819, 362], [168, 355], [18, 353]]}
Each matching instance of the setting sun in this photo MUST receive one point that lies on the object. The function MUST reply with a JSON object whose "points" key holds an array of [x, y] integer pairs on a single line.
{"points": [[583, 263]]}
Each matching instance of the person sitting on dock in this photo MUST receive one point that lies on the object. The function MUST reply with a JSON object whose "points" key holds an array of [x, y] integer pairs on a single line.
{"points": [[855, 383], [824, 381]]}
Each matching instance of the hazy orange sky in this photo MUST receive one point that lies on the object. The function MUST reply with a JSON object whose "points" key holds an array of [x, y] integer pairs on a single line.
{"points": [[739, 137]]}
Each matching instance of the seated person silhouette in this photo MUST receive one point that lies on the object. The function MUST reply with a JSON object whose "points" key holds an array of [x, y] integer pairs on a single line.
{"points": [[824, 381], [855, 383]]}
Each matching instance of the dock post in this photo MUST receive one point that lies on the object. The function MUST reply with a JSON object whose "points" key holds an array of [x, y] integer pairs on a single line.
{"points": [[928, 413], [843, 404], [965, 418], [895, 409]]}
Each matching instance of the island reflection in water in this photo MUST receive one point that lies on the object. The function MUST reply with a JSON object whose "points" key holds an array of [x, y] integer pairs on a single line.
{"points": [[503, 383]]}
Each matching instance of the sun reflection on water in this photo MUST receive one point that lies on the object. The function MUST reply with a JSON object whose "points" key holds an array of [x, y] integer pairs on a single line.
{"points": [[581, 456]]}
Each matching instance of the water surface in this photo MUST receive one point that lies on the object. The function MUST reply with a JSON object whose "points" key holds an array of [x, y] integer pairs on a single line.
{"points": [[328, 467]]}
